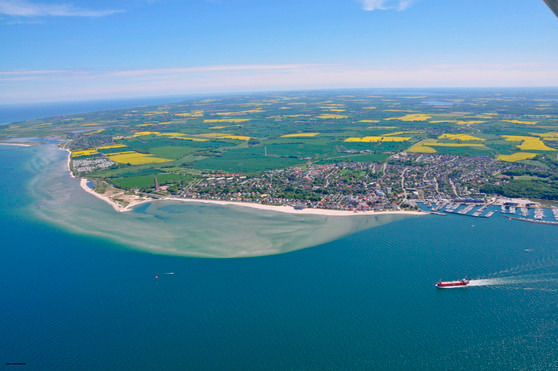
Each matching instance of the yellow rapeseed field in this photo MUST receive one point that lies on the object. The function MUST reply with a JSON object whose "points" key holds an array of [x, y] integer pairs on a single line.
{"points": [[422, 148], [438, 144], [516, 156], [301, 135], [84, 152], [458, 122], [412, 117], [224, 126], [463, 137], [377, 139], [331, 116], [426, 146], [240, 112], [382, 127], [90, 124], [548, 136], [225, 120], [403, 132], [193, 114], [112, 146], [226, 136], [517, 138], [521, 122], [369, 107], [287, 116], [370, 121], [528, 143], [135, 158], [229, 113], [95, 132], [168, 135]]}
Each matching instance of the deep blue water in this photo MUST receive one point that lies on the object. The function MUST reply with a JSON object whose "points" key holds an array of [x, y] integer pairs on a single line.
{"points": [[366, 301]]}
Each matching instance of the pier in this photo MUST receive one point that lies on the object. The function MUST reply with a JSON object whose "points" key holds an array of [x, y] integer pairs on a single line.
{"points": [[533, 220]]}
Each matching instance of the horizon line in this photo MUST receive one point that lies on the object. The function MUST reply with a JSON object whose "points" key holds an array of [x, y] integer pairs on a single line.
{"points": [[256, 92]]}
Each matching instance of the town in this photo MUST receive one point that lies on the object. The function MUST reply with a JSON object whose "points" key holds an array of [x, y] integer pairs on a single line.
{"points": [[396, 184]]}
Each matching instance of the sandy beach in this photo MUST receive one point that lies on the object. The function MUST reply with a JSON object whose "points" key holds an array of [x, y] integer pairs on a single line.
{"points": [[15, 144], [292, 210], [131, 200], [282, 209], [68, 162], [135, 201]]}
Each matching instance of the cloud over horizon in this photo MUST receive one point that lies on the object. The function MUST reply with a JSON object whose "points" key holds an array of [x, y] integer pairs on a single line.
{"points": [[22, 8], [370, 5], [28, 86]]}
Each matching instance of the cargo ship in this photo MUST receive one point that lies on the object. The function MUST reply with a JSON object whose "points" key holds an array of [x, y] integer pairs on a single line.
{"points": [[451, 284]]}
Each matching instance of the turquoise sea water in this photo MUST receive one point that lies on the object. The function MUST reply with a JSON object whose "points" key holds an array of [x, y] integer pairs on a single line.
{"points": [[77, 298]]}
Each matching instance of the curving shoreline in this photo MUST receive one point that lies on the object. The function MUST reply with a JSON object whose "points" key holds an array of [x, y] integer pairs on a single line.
{"points": [[15, 144], [282, 209]]}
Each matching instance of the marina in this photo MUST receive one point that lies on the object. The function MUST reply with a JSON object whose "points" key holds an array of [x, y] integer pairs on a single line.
{"points": [[522, 210], [463, 209]]}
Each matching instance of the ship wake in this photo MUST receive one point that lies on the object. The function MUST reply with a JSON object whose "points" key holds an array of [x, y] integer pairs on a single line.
{"points": [[520, 280]]}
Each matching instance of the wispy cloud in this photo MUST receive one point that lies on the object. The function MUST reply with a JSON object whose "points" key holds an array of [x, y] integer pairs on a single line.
{"points": [[174, 71], [371, 5], [22, 8], [24, 86]]}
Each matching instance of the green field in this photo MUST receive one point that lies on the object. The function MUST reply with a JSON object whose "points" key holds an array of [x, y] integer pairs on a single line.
{"points": [[148, 180], [234, 133]]}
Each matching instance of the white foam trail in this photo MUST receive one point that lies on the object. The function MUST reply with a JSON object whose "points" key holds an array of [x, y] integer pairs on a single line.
{"points": [[542, 263], [527, 279], [487, 282]]}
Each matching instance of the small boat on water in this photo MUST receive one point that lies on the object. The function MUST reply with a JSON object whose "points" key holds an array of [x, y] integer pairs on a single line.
{"points": [[451, 284]]}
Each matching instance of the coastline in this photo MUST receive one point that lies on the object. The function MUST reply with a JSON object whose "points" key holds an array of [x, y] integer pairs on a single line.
{"points": [[115, 205], [291, 210], [15, 144], [280, 209]]}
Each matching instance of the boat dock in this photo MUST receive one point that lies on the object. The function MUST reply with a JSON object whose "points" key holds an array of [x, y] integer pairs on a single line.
{"points": [[452, 208], [533, 221], [510, 209]]}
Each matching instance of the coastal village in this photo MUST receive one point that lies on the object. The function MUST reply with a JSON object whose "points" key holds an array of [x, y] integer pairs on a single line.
{"points": [[438, 184], [342, 154]]}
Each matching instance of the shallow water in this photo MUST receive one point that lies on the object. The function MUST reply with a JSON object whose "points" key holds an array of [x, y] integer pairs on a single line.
{"points": [[174, 227]]}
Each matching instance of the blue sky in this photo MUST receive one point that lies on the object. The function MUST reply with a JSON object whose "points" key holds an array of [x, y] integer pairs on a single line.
{"points": [[59, 50]]}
